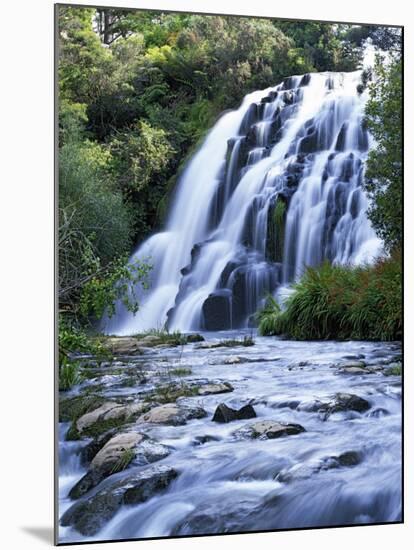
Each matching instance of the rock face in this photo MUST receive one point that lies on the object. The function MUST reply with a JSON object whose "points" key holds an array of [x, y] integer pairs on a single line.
{"points": [[115, 456], [172, 414], [224, 413], [89, 515], [269, 429], [217, 310], [221, 387], [344, 402]]}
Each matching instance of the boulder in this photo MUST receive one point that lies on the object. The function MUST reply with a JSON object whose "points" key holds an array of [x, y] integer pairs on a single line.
{"points": [[307, 469], [354, 370], [220, 387], [125, 345], [108, 413], [171, 414], [217, 310], [110, 454], [226, 414], [191, 338], [344, 402], [269, 429], [90, 450], [202, 439], [90, 514], [115, 456]]}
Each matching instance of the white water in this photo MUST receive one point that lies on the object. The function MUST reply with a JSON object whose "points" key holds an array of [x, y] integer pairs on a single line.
{"points": [[302, 142], [231, 485]]}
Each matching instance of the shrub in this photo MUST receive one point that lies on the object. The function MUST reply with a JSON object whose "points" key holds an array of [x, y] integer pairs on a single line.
{"points": [[341, 302]]}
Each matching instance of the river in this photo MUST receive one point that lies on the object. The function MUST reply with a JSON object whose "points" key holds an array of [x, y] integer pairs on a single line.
{"points": [[229, 483]]}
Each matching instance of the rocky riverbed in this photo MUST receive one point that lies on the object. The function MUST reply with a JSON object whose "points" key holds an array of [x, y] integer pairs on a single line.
{"points": [[226, 435]]}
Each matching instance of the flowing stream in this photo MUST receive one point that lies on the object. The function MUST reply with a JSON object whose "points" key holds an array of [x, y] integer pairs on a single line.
{"points": [[228, 484], [276, 186]]}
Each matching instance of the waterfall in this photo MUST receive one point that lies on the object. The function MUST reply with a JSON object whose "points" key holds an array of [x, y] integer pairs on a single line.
{"points": [[275, 187]]}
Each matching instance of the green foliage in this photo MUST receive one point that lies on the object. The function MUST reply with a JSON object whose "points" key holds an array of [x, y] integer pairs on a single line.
{"points": [[137, 93], [118, 283], [69, 375], [246, 342], [169, 393], [124, 460], [384, 173], [323, 47], [393, 370], [267, 317], [180, 371], [164, 336], [341, 302], [74, 340]]}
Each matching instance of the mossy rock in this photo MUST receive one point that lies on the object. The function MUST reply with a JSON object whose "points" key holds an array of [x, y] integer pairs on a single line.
{"points": [[72, 408], [275, 236], [107, 419]]}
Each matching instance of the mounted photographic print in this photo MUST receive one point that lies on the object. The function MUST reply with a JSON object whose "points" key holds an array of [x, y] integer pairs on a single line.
{"points": [[229, 314]]}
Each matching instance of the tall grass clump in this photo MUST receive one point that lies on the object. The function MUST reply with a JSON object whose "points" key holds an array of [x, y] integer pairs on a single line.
{"points": [[341, 302]]}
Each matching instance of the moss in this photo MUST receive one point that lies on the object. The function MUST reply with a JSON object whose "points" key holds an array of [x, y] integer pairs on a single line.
{"points": [[124, 460], [246, 342], [393, 370], [275, 238], [72, 408], [171, 392], [98, 428], [181, 372]]}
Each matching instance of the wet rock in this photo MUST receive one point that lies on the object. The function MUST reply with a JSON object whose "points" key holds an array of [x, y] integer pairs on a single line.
{"points": [[172, 414], [354, 370], [89, 515], [72, 408], [310, 406], [202, 439], [269, 429], [307, 469], [234, 359], [350, 458], [394, 369], [378, 412], [114, 456], [109, 412], [191, 338], [353, 364], [221, 387], [108, 457], [289, 404], [123, 345], [344, 402], [217, 310], [226, 414], [90, 450], [305, 80]]}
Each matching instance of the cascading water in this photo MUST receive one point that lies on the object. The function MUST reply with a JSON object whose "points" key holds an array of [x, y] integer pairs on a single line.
{"points": [[275, 187]]}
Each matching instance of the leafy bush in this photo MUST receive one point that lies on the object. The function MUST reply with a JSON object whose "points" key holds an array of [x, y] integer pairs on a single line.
{"points": [[267, 317], [341, 302]]}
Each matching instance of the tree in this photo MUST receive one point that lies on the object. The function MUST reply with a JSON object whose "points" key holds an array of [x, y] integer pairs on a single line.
{"points": [[383, 180]]}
